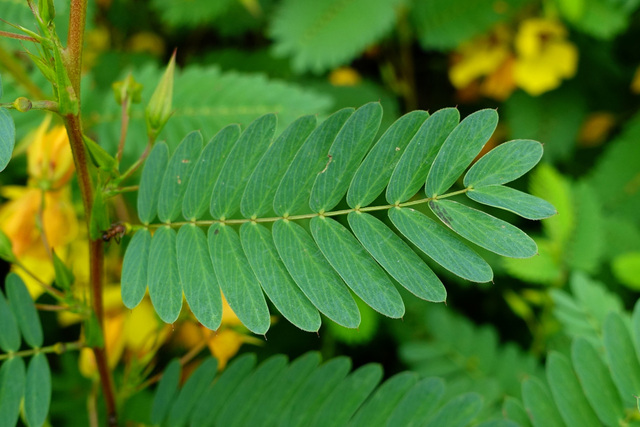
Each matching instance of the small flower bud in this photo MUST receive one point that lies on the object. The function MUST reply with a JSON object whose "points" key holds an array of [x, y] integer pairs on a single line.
{"points": [[128, 88], [22, 104], [159, 108], [47, 10]]}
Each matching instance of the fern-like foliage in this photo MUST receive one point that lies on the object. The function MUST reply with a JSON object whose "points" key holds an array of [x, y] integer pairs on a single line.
{"points": [[282, 194], [469, 358], [597, 383], [445, 24], [32, 384], [305, 392], [229, 98], [177, 14], [323, 34]]}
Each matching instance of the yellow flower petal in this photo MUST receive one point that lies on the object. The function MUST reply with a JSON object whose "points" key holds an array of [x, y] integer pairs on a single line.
{"points": [[224, 345], [344, 76]]}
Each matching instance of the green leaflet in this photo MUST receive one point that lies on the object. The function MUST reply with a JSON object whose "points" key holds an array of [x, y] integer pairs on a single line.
{"points": [[166, 392], [413, 167], [215, 398], [458, 412], [165, 289], [152, 173], [198, 279], [10, 336], [376, 411], [523, 204], [484, 230], [596, 382], [184, 402], [292, 195], [356, 267], [176, 177], [269, 405], [37, 394], [236, 407], [63, 275], [12, 383], [206, 172], [567, 392], [314, 391], [440, 245], [313, 274], [504, 163], [635, 319], [242, 160], [460, 148], [257, 199], [513, 410], [345, 155], [135, 269], [418, 403], [348, 396], [622, 358], [23, 310], [539, 404], [265, 262], [373, 174], [7, 138], [322, 35], [396, 257], [236, 279]]}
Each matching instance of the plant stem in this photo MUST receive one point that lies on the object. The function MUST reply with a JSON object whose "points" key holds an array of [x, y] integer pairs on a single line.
{"points": [[73, 63], [57, 348]]}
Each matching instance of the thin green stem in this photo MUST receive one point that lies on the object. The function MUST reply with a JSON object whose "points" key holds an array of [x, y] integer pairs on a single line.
{"points": [[57, 348], [241, 221], [49, 289]]}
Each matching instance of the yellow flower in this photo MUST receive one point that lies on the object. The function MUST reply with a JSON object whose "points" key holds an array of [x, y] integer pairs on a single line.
{"points": [[544, 56], [137, 333], [223, 343], [49, 157], [480, 57], [344, 76], [635, 83]]}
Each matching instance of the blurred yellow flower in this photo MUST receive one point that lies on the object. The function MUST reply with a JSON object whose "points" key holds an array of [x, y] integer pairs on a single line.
{"points": [[50, 166], [595, 130], [137, 333], [344, 76], [635, 83], [146, 41], [480, 57], [544, 56], [223, 343]]}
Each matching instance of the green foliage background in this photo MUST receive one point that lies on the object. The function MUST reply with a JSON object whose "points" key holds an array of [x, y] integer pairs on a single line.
{"points": [[553, 340]]}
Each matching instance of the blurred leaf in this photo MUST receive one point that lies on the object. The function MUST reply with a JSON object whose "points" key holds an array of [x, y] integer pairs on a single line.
{"points": [[626, 268], [37, 397], [542, 268], [64, 276], [230, 98], [603, 19], [166, 392], [366, 331], [186, 399], [7, 137], [585, 249], [418, 402], [99, 221], [622, 358], [197, 13], [539, 404], [553, 118], [445, 24], [322, 35], [24, 310], [6, 250]]}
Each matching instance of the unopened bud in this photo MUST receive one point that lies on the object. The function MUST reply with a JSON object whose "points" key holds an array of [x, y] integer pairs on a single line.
{"points": [[129, 89], [47, 10], [159, 109], [22, 104]]}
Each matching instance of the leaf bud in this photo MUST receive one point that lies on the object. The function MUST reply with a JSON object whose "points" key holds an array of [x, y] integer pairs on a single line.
{"points": [[22, 104], [158, 110]]}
